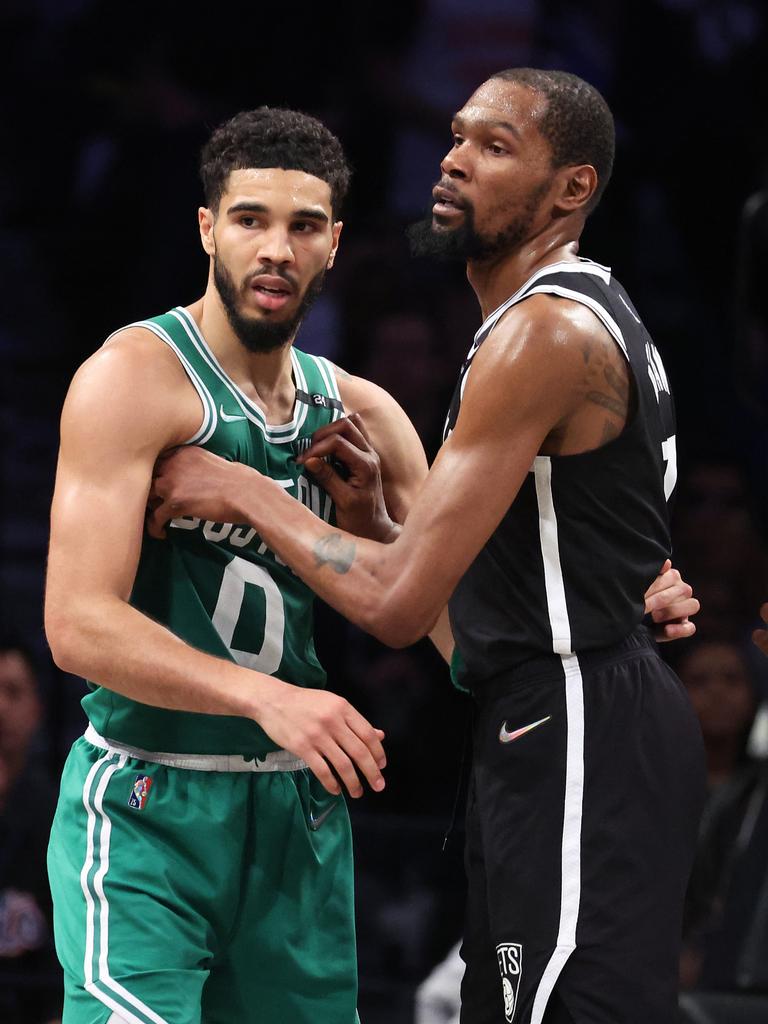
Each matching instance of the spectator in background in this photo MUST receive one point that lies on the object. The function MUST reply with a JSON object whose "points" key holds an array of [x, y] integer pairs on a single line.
{"points": [[732, 854], [30, 978]]}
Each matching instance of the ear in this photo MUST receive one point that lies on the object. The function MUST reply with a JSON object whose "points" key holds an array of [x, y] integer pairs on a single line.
{"points": [[206, 221], [577, 186], [335, 235]]}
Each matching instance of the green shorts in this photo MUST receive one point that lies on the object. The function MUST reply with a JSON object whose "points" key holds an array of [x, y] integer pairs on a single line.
{"points": [[188, 896]]}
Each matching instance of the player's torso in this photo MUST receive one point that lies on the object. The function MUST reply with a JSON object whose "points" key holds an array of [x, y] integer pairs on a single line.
{"points": [[216, 585], [567, 568]]}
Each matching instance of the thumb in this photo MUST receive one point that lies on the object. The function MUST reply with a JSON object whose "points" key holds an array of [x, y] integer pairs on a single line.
{"points": [[319, 469]]}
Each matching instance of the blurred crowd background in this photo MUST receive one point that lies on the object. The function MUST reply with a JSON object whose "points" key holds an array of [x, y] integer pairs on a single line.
{"points": [[105, 110]]}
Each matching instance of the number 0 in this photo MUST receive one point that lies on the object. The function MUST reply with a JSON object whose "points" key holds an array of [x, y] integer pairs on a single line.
{"points": [[238, 573]]}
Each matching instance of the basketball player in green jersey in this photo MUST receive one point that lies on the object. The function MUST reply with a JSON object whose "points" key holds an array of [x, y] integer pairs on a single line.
{"points": [[200, 860]]}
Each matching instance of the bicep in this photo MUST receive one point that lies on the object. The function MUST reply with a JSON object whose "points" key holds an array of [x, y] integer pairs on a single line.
{"points": [[103, 477]]}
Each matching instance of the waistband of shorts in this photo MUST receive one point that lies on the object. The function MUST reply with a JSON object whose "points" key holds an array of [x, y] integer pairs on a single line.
{"points": [[548, 667], [274, 761]]}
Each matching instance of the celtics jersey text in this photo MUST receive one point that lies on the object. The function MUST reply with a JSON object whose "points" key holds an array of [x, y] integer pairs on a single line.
{"points": [[567, 568], [216, 585]]}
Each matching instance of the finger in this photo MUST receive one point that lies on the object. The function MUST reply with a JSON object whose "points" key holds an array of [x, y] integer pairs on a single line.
{"points": [[668, 578], [157, 520], [363, 760], [677, 610], [764, 612], [322, 772], [346, 428], [341, 764], [357, 461], [674, 631], [359, 423], [677, 592], [365, 732]]}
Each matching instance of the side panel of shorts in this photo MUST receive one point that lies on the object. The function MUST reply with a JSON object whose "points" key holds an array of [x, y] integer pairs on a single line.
{"points": [[140, 900], [587, 824]]}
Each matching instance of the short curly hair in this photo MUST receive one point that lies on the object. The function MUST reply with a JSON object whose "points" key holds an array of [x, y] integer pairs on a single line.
{"points": [[273, 137], [577, 123]]}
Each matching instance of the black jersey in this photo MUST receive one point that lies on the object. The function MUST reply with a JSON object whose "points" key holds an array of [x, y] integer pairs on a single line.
{"points": [[567, 568]]}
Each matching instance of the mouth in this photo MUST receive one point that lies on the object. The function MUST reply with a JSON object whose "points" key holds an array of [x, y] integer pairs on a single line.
{"points": [[447, 202], [271, 292]]}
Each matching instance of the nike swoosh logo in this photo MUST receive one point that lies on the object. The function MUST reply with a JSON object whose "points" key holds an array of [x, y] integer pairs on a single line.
{"points": [[316, 822], [505, 736], [227, 418]]}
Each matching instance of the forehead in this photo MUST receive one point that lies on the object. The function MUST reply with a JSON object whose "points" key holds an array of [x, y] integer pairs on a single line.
{"points": [[14, 671], [497, 100], [275, 187]]}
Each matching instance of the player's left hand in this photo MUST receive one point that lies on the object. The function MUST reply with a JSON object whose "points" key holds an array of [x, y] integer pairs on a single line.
{"points": [[760, 636], [670, 602], [193, 482]]}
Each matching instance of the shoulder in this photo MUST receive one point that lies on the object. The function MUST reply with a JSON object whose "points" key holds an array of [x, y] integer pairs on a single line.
{"points": [[556, 334], [134, 381]]}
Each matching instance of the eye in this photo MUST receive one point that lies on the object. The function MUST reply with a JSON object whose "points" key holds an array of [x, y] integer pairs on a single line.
{"points": [[457, 141], [247, 221], [304, 227], [497, 149]]}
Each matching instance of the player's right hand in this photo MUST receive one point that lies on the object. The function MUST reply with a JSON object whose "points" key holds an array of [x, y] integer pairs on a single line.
{"points": [[324, 730]]}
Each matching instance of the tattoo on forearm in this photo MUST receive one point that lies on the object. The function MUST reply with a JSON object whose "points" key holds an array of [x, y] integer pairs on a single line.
{"points": [[335, 551]]}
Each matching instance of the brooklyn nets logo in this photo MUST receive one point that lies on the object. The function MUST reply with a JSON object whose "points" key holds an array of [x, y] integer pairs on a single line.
{"points": [[510, 957]]}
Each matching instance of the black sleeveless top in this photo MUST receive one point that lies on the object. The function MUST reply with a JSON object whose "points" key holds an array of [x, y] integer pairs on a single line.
{"points": [[567, 568]]}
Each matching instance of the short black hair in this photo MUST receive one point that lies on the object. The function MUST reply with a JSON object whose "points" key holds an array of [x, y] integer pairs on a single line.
{"points": [[273, 137], [577, 124]]}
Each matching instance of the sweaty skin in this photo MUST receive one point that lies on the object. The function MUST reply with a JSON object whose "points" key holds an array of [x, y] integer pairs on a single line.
{"points": [[571, 386]]}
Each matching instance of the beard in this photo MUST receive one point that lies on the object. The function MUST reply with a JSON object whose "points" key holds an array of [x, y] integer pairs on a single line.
{"points": [[465, 243], [261, 335]]}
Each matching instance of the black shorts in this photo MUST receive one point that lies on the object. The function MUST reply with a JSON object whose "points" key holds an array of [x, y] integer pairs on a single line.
{"points": [[587, 786]]}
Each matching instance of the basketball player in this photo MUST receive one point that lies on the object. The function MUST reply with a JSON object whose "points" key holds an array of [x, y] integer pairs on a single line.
{"points": [[197, 867], [543, 520]]}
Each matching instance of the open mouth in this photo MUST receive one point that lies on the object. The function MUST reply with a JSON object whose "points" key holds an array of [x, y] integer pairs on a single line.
{"points": [[446, 202], [271, 292]]}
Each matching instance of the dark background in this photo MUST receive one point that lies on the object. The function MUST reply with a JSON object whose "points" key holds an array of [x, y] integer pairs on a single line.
{"points": [[105, 109]]}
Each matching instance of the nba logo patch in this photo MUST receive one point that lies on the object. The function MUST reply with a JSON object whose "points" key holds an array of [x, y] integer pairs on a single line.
{"points": [[510, 957], [140, 792]]}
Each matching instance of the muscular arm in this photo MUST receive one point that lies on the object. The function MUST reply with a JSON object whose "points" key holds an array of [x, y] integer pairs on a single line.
{"points": [[109, 444], [398, 590]]}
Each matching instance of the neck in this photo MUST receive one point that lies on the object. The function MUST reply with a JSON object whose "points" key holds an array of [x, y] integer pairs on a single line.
{"points": [[493, 281], [722, 757], [263, 376]]}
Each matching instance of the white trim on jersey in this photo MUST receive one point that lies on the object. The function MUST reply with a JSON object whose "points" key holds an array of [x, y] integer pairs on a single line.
{"points": [[328, 373], [208, 425], [279, 433], [586, 300], [582, 266], [570, 857], [210, 417]]}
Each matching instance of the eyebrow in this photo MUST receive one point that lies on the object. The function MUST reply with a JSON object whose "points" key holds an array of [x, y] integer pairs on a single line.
{"points": [[506, 125], [307, 213]]}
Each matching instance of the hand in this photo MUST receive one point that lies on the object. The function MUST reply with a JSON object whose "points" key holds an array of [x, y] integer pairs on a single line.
{"points": [[357, 494], [760, 636], [193, 482], [669, 601], [325, 731]]}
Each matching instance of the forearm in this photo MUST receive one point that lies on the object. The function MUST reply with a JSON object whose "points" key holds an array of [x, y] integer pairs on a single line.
{"points": [[110, 643], [369, 582]]}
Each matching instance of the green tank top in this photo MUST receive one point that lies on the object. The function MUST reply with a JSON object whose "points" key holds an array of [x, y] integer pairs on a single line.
{"points": [[217, 585]]}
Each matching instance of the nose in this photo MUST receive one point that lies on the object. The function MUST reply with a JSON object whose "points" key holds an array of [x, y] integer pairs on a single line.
{"points": [[455, 163], [275, 247]]}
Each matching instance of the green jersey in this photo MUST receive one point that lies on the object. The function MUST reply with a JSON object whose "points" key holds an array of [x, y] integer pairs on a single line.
{"points": [[217, 586]]}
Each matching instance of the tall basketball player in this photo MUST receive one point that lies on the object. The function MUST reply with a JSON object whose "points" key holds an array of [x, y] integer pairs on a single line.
{"points": [[542, 521], [197, 864]]}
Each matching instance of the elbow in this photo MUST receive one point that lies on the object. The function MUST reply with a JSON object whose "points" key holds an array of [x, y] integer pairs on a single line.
{"points": [[62, 634], [397, 624]]}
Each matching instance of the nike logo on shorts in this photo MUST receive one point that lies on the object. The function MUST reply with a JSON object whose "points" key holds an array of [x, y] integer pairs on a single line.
{"points": [[505, 736], [226, 417], [316, 822]]}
